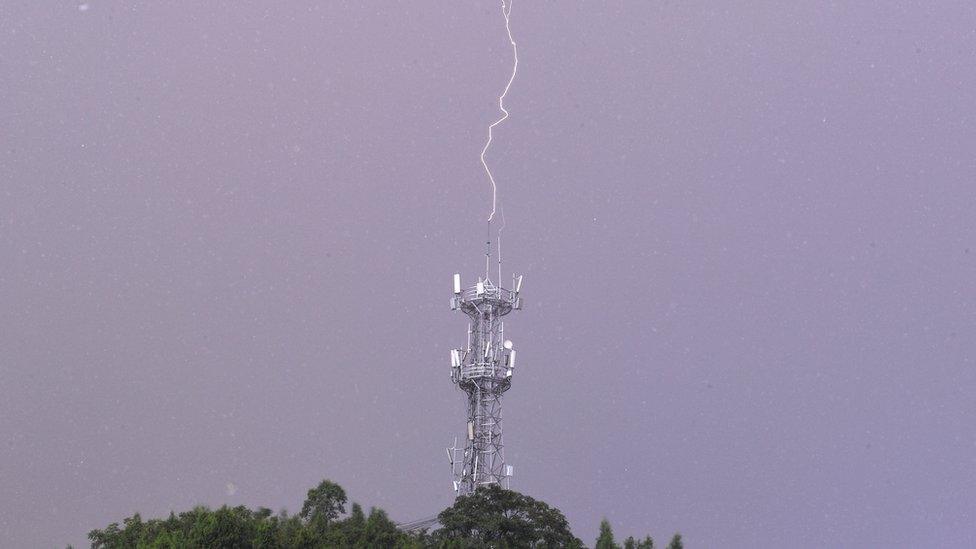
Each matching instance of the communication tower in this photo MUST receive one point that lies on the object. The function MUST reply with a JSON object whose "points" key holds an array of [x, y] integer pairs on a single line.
{"points": [[483, 370]]}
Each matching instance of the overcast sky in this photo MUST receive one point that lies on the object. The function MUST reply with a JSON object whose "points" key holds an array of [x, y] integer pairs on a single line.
{"points": [[227, 235]]}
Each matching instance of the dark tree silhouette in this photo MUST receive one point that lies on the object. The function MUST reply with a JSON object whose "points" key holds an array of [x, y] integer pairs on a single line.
{"points": [[491, 517], [495, 517], [324, 503], [605, 539]]}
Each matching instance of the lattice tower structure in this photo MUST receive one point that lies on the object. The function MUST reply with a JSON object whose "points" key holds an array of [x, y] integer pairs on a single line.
{"points": [[483, 370]]}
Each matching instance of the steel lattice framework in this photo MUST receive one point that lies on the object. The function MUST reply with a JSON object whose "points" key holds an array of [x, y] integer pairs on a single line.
{"points": [[483, 370]]}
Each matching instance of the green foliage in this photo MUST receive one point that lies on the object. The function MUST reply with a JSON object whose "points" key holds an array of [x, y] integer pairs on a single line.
{"points": [[495, 517], [605, 539], [238, 527], [324, 504], [646, 543], [491, 517]]}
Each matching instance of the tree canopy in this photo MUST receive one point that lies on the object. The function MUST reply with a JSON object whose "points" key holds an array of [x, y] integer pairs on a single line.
{"points": [[495, 517], [324, 504], [491, 517], [605, 540]]}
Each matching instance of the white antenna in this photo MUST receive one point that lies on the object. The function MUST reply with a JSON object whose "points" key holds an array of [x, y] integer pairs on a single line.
{"points": [[457, 283]]}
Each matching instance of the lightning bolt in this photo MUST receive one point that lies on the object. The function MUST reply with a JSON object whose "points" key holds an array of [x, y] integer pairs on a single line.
{"points": [[506, 12]]}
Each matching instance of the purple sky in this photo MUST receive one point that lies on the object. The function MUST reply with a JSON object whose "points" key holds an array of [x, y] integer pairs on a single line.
{"points": [[227, 235]]}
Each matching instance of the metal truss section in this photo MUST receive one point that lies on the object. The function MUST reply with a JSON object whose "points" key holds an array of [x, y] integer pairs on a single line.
{"points": [[483, 370]]}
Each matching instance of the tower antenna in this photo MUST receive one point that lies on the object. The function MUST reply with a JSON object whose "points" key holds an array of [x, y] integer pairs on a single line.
{"points": [[488, 253]]}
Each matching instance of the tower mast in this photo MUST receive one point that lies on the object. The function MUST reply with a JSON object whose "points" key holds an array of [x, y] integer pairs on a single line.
{"points": [[483, 370]]}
